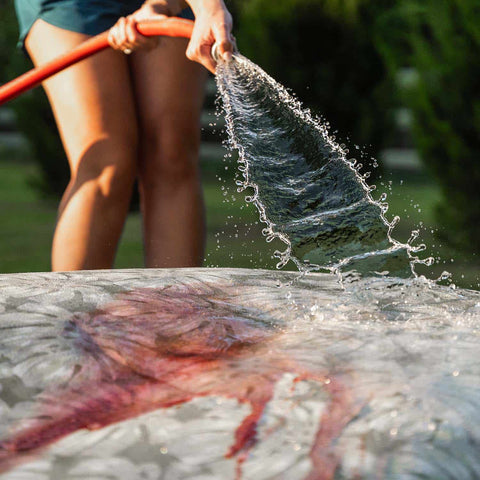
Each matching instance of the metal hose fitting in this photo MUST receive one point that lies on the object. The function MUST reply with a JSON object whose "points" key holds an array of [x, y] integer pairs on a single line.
{"points": [[215, 52]]}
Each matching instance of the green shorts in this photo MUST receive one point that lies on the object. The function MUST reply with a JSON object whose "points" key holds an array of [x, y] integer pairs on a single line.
{"points": [[90, 17]]}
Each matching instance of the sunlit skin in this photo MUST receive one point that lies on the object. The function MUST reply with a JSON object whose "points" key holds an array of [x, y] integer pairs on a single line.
{"points": [[155, 348], [126, 116]]}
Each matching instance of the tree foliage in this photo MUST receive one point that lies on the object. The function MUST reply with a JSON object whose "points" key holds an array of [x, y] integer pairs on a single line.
{"points": [[440, 40]]}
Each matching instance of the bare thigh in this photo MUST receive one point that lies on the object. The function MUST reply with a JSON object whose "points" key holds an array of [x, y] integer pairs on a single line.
{"points": [[92, 100], [169, 91]]}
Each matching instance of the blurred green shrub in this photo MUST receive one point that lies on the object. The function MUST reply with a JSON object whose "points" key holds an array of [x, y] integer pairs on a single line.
{"points": [[36, 120], [34, 116], [324, 50], [440, 40], [8, 39]]}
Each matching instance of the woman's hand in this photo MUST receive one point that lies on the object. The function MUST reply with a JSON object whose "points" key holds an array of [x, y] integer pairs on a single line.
{"points": [[213, 24], [124, 35]]}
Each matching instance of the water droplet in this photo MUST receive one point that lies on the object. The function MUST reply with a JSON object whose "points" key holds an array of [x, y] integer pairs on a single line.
{"points": [[413, 236]]}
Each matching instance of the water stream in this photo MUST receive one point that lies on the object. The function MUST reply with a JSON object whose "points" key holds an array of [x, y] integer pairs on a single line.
{"points": [[307, 191]]}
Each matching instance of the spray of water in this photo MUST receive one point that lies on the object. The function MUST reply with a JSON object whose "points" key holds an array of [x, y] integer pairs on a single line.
{"points": [[308, 193]]}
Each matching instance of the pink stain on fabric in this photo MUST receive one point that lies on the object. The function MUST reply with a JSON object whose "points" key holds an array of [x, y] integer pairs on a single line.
{"points": [[155, 348]]}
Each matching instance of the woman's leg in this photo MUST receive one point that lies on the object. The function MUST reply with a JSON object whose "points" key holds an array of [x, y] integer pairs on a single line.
{"points": [[94, 108], [169, 91]]}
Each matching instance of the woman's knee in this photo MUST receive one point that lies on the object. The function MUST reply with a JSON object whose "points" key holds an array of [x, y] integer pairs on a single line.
{"points": [[115, 182], [170, 156], [107, 166]]}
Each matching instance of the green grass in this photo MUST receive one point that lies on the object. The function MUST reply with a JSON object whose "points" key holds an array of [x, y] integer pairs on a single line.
{"points": [[27, 221], [234, 236]]}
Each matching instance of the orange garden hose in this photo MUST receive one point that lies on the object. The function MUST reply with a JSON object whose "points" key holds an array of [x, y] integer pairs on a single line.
{"points": [[170, 27]]}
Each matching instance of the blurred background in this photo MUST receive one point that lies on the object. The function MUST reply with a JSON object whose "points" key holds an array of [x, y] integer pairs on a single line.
{"points": [[398, 81]]}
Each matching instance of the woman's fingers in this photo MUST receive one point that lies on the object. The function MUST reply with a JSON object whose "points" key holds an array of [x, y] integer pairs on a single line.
{"points": [[124, 36], [117, 36], [114, 35], [135, 38], [202, 52], [211, 28], [131, 32], [199, 50], [224, 40], [205, 54]]}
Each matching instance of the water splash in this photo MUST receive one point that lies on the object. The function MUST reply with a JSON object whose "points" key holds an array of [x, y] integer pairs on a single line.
{"points": [[308, 193]]}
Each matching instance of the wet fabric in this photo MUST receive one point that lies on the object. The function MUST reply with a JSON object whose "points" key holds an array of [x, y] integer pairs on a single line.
{"points": [[90, 17], [225, 374]]}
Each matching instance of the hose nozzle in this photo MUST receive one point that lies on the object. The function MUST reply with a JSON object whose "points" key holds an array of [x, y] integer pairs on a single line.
{"points": [[215, 52]]}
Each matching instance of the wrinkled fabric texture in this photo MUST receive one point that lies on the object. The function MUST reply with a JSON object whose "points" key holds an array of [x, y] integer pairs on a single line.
{"points": [[220, 374]]}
